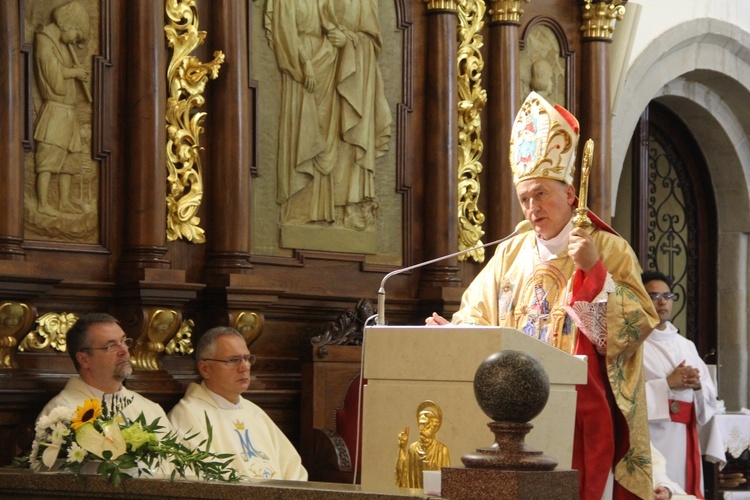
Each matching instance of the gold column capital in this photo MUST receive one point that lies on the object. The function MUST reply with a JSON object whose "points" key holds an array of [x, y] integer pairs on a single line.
{"points": [[441, 4], [506, 11], [599, 18]]}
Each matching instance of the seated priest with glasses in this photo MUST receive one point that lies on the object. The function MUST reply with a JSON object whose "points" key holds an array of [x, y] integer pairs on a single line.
{"points": [[261, 450], [99, 350]]}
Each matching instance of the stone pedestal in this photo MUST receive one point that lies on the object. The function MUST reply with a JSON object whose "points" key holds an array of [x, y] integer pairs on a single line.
{"points": [[479, 484]]}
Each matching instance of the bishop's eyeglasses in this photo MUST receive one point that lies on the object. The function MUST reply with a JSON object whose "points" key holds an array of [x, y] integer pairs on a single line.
{"points": [[235, 361]]}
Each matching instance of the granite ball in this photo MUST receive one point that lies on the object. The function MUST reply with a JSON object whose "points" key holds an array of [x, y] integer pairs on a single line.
{"points": [[511, 386]]}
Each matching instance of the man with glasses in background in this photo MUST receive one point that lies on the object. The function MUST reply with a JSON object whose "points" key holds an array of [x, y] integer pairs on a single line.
{"points": [[98, 347], [260, 448], [679, 391]]}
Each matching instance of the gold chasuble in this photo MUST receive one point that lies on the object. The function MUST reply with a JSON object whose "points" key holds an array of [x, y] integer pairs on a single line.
{"points": [[519, 289]]}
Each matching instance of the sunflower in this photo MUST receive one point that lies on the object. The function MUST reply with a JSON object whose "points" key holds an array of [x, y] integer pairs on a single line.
{"points": [[88, 412]]}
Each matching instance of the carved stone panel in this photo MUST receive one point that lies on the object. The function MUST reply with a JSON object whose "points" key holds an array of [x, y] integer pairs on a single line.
{"points": [[61, 178], [329, 79], [544, 63]]}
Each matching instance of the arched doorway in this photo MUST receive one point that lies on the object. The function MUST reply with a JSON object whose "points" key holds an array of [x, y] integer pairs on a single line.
{"points": [[673, 219]]}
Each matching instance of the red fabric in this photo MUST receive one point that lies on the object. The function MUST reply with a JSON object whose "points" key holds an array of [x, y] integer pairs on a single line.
{"points": [[596, 220], [602, 437], [587, 286], [568, 117], [686, 415], [347, 424], [593, 443]]}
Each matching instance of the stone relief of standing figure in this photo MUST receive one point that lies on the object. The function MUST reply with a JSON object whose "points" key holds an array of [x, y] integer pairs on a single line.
{"points": [[365, 115], [57, 131], [334, 120]]}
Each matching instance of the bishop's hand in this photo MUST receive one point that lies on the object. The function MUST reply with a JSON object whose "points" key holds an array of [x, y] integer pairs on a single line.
{"points": [[582, 250]]}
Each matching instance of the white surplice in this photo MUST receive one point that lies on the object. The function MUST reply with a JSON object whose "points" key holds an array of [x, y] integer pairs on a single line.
{"points": [[663, 351]]}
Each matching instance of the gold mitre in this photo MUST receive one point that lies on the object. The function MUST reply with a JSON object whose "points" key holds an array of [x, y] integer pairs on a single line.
{"points": [[543, 141]]}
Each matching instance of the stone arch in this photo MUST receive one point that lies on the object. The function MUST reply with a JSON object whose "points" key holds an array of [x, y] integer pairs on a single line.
{"points": [[701, 71]]}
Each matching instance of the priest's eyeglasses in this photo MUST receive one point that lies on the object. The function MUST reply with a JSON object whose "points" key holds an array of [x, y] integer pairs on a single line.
{"points": [[235, 361], [111, 346], [666, 296]]}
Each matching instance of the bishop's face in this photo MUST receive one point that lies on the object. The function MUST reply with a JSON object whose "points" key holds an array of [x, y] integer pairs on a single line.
{"points": [[547, 204]]}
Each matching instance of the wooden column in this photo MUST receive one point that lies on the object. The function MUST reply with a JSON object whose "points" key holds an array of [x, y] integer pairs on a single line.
{"points": [[11, 127], [441, 141], [230, 146], [146, 102], [594, 119], [503, 101], [148, 290]]}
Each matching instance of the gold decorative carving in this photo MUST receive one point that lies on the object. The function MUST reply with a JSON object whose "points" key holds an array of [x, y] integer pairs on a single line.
{"points": [[441, 4], [472, 98], [599, 18], [162, 326], [249, 324], [187, 78], [15, 320], [506, 11], [182, 342], [51, 331], [426, 453]]}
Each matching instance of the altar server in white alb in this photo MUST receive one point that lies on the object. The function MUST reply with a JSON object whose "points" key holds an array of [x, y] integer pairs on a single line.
{"points": [[680, 394], [240, 427]]}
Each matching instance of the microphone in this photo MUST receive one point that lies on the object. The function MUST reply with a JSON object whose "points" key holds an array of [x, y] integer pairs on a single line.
{"points": [[521, 227]]}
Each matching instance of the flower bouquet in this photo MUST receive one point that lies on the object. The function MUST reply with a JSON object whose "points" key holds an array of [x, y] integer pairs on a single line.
{"points": [[68, 440]]}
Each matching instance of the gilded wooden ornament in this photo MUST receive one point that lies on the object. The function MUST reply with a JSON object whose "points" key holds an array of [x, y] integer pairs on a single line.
{"points": [[472, 98], [162, 326], [51, 331], [506, 11], [15, 320], [599, 18], [187, 78]]}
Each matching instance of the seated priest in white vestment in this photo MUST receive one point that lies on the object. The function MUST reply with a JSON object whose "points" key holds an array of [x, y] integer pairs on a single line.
{"points": [[680, 393], [99, 350], [260, 448]]}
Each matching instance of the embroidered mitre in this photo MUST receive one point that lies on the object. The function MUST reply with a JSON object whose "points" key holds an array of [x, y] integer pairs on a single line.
{"points": [[543, 142]]}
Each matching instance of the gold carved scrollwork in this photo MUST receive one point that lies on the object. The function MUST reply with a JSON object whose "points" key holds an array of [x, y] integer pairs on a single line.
{"points": [[51, 331], [162, 326], [441, 4], [187, 78], [249, 324], [182, 342], [472, 98], [506, 11], [15, 320], [599, 18]]}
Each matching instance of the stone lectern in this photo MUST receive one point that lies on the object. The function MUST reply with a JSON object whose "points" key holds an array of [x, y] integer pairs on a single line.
{"points": [[405, 366]]}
